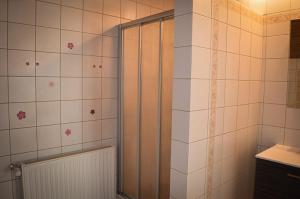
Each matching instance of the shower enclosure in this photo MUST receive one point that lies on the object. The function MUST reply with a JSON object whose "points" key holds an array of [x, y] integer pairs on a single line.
{"points": [[146, 101]]}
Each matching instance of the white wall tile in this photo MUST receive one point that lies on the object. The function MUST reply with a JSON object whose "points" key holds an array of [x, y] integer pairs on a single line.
{"points": [[112, 7], [71, 133], [4, 122], [277, 6], [199, 100], [68, 91], [91, 131], [3, 10], [71, 65], [21, 11], [49, 64], [278, 28], [231, 92], [230, 118], [111, 46], [109, 108], [178, 184], [292, 118], [3, 90], [4, 143], [6, 190], [183, 30], [48, 137], [274, 115], [143, 10], [73, 3], [181, 94], [183, 64], [91, 88], [92, 44], [232, 66], [201, 62], [72, 149], [71, 19], [128, 9], [201, 33], [19, 122], [3, 34], [21, 37], [21, 63], [5, 173], [180, 125], [71, 111], [3, 62], [21, 89], [71, 42], [92, 66], [48, 113], [179, 156], [91, 110], [47, 39], [233, 39], [196, 184], [48, 15], [275, 92], [245, 43], [110, 25], [93, 5], [23, 140], [276, 69], [197, 155], [92, 22], [109, 88], [109, 128], [91, 145], [47, 88], [229, 144], [202, 7], [292, 137], [198, 125], [49, 153], [272, 135], [272, 50], [243, 93]]}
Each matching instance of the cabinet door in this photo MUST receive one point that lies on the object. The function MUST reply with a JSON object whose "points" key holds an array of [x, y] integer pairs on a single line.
{"points": [[293, 183]]}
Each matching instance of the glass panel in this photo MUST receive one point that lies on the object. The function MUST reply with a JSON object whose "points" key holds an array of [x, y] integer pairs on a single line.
{"points": [[166, 107], [149, 110], [130, 110]]}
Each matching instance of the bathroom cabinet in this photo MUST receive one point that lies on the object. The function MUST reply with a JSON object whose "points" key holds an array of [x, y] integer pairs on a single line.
{"points": [[276, 179]]}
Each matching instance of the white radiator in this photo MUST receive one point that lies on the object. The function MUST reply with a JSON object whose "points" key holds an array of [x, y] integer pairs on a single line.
{"points": [[88, 175]]}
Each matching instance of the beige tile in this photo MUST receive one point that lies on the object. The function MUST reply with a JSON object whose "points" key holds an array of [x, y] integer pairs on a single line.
{"points": [[231, 92], [4, 122], [245, 43], [276, 69], [73, 3], [232, 66], [219, 10], [24, 42], [30, 115], [272, 135], [71, 111], [110, 25], [279, 28], [92, 44], [23, 140], [71, 19], [3, 62], [71, 133], [275, 92], [21, 63], [234, 13], [3, 10], [109, 128], [48, 137], [67, 88], [242, 116], [292, 137], [49, 64], [178, 184], [71, 65], [21, 89], [21, 12], [112, 7], [111, 46], [93, 5], [183, 28], [109, 88], [4, 143], [109, 108], [92, 66], [71, 42], [179, 156], [91, 110], [233, 39], [201, 33], [128, 9], [5, 173], [48, 15], [292, 118], [3, 35], [48, 113], [47, 88], [272, 46], [47, 40], [295, 4], [6, 190], [202, 7], [91, 131], [92, 22], [245, 68], [244, 91], [92, 88], [196, 184], [274, 115], [230, 118]]}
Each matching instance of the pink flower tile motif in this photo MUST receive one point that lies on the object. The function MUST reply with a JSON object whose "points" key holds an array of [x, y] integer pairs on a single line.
{"points": [[70, 45], [51, 84], [68, 132], [21, 115], [92, 111]]}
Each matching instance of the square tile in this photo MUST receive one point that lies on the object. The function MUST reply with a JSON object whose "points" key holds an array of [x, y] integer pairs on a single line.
{"points": [[4, 143], [22, 115], [49, 153], [21, 11], [5, 173], [92, 44], [179, 156], [109, 128], [48, 15], [112, 7], [71, 88], [48, 137], [109, 108], [198, 125], [220, 93], [231, 92], [72, 149], [197, 155], [91, 145], [3, 90], [3, 62], [111, 46], [4, 122], [278, 28], [272, 42], [276, 69], [128, 9], [47, 88], [71, 65], [245, 43], [274, 115], [3, 35], [109, 67], [91, 131], [71, 19], [6, 190], [292, 118], [21, 89], [178, 184], [256, 46], [256, 69], [3, 10], [71, 42], [21, 37], [21, 63], [92, 66], [202, 7], [92, 22], [48, 113], [91, 88], [93, 5], [73, 3], [242, 116], [47, 39], [23, 140], [48, 64], [233, 39], [272, 135], [232, 66], [180, 125], [183, 29], [201, 34], [71, 133], [199, 100], [292, 137], [243, 93], [234, 13], [229, 144], [91, 110], [110, 25], [109, 88], [71, 111], [275, 92], [230, 118], [200, 63]]}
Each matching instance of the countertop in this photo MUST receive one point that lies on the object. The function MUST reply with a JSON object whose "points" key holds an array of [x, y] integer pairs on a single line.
{"points": [[282, 154]]}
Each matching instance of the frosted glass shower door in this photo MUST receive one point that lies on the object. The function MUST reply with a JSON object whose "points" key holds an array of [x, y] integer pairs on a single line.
{"points": [[147, 69]]}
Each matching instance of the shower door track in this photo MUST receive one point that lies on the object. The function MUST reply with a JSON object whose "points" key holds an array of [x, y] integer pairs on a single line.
{"points": [[139, 22]]}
